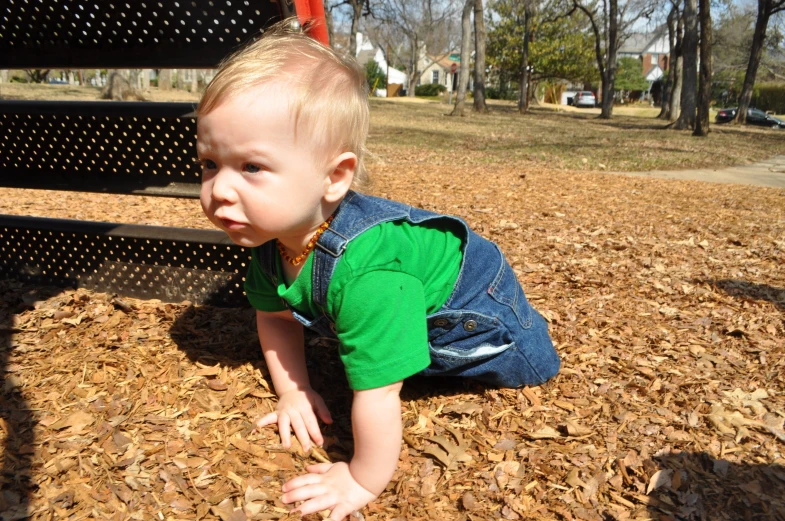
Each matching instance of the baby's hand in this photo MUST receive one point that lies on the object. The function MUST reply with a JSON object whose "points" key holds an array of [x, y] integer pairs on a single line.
{"points": [[327, 486], [296, 410]]}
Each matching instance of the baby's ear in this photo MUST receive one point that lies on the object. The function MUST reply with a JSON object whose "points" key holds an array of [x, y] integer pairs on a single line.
{"points": [[340, 177]]}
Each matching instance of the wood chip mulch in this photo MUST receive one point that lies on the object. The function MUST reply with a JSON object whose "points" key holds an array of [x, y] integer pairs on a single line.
{"points": [[666, 300]]}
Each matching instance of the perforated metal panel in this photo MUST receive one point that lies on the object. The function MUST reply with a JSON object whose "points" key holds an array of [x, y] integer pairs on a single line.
{"points": [[171, 264], [117, 147], [129, 33]]}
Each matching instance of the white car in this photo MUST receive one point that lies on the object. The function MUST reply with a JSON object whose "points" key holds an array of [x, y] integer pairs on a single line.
{"points": [[584, 98]]}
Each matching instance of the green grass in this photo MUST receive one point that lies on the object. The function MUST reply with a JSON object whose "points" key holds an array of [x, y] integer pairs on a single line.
{"points": [[565, 139]]}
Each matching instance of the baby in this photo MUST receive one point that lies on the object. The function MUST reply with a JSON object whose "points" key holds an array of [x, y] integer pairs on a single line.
{"points": [[281, 139]]}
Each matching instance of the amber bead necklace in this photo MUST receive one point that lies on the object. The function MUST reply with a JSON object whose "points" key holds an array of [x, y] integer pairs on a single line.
{"points": [[296, 261]]}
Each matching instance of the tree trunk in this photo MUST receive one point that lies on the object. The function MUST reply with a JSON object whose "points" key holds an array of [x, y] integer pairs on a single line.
{"points": [[609, 76], [758, 37], [479, 58], [466, 48], [678, 72], [523, 88], [165, 79], [357, 7], [704, 89], [145, 79], [677, 86], [195, 80], [415, 61], [689, 88], [668, 84], [180, 79], [328, 20], [133, 78]]}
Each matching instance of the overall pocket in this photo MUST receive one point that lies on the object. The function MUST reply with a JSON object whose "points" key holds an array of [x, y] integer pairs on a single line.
{"points": [[459, 338], [506, 290]]}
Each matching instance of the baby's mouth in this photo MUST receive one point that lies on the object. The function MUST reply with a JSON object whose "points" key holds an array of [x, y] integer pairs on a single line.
{"points": [[229, 224]]}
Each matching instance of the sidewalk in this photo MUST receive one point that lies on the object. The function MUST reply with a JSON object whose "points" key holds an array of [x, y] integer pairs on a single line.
{"points": [[766, 173]]}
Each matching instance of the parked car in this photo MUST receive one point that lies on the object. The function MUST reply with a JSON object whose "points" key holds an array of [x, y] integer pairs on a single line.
{"points": [[754, 117], [56, 81], [584, 98]]}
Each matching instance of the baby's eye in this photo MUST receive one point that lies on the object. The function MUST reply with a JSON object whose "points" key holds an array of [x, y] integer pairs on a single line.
{"points": [[208, 164], [252, 169]]}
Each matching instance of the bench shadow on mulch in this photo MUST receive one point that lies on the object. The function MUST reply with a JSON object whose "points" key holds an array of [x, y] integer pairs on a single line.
{"points": [[695, 486], [227, 336], [16, 418]]}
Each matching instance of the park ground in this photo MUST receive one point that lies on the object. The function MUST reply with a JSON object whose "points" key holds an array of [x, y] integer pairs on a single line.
{"points": [[665, 299]]}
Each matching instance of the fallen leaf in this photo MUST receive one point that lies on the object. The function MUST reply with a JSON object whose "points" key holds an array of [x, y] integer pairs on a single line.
{"points": [[544, 434], [77, 421], [659, 479]]}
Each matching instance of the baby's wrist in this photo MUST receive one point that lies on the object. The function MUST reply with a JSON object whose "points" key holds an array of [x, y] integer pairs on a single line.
{"points": [[295, 389], [356, 473]]}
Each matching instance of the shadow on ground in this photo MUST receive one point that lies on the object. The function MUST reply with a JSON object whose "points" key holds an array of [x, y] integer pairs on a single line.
{"points": [[17, 421], [743, 290], [695, 486], [227, 336]]}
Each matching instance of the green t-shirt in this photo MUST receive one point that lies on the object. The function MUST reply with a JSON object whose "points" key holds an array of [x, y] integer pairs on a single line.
{"points": [[385, 284]]}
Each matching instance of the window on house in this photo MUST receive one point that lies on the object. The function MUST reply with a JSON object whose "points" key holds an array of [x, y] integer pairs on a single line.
{"points": [[435, 78], [654, 59]]}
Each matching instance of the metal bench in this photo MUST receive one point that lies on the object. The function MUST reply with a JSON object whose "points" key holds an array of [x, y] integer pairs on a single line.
{"points": [[136, 148]]}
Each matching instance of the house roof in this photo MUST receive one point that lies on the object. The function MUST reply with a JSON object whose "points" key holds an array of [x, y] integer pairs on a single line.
{"points": [[443, 62], [637, 43]]}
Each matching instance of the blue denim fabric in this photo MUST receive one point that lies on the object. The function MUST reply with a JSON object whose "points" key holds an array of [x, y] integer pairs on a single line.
{"points": [[486, 330]]}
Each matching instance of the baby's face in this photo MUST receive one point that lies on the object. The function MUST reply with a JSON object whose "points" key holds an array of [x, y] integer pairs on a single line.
{"points": [[258, 182]]}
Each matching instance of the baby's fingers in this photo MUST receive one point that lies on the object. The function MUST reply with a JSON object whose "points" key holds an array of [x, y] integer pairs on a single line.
{"points": [[301, 431], [312, 425], [319, 468], [269, 419], [283, 430], [339, 512], [317, 504], [323, 412]]}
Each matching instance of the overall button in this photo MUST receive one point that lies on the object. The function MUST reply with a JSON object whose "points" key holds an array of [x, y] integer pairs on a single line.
{"points": [[332, 328], [470, 325], [440, 322]]}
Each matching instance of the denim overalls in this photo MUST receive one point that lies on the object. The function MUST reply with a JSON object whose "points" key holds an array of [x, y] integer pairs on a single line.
{"points": [[486, 330]]}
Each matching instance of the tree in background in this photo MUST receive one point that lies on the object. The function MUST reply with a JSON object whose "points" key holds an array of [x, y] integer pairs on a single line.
{"points": [[731, 50], [704, 86], [766, 9], [671, 83], [466, 44], [560, 48], [480, 38], [689, 87], [410, 27], [612, 24], [629, 75], [375, 76], [37, 75], [328, 20], [357, 7]]}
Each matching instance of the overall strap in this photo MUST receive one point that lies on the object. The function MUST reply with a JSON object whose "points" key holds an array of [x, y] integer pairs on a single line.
{"points": [[356, 214]]}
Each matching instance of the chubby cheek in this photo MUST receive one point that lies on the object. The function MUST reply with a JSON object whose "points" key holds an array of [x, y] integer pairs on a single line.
{"points": [[206, 199]]}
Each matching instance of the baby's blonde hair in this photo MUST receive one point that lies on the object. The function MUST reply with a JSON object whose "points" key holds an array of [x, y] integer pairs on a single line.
{"points": [[327, 92]]}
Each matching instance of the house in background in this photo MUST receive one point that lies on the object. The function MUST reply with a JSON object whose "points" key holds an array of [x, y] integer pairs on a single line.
{"points": [[367, 51], [653, 51], [435, 69]]}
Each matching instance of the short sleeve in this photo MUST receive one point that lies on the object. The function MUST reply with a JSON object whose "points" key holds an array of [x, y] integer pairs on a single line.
{"points": [[260, 290], [380, 321]]}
